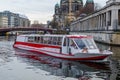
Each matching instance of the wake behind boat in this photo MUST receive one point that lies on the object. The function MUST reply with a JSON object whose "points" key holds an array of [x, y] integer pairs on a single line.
{"points": [[70, 47]]}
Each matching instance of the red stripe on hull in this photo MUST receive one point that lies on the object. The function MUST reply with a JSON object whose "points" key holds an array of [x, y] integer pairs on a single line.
{"points": [[76, 59], [36, 45], [41, 46]]}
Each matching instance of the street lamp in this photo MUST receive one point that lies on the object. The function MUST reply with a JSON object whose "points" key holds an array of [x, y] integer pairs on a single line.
{"points": [[67, 30]]}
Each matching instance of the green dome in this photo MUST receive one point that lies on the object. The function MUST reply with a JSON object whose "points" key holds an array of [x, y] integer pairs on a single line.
{"points": [[90, 1], [61, 1], [80, 0], [57, 5]]}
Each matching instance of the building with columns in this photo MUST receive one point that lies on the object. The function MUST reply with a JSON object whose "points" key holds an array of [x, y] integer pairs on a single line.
{"points": [[103, 24]]}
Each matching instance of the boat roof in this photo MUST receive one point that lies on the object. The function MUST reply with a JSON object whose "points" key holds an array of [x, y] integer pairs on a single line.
{"points": [[54, 35]]}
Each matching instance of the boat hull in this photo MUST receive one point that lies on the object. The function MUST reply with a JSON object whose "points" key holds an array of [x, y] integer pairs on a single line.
{"points": [[77, 56]]}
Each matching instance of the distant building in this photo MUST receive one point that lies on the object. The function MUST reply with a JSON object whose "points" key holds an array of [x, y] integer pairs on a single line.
{"points": [[70, 10], [88, 7], [48, 24], [36, 22], [24, 21], [16, 20], [38, 25], [3, 21]]}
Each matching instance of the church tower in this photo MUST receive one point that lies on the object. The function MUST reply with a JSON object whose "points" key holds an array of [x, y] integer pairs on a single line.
{"points": [[67, 11], [57, 9], [71, 6], [70, 9], [89, 7]]}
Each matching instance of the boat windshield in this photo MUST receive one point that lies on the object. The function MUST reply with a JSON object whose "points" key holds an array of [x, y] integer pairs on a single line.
{"points": [[85, 43], [80, 43]]}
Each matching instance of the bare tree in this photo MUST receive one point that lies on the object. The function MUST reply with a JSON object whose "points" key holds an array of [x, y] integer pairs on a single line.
{"points": [[54, 24]]}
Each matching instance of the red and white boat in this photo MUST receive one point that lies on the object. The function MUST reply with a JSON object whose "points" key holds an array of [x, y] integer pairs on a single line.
{"points": [[70, 47]]}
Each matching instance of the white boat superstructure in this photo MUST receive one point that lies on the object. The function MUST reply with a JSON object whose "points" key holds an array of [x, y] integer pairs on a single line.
{"points": [[71, 47]]}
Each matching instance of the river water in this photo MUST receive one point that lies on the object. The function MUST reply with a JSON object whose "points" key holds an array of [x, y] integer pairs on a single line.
{"points": [[17, 64]]}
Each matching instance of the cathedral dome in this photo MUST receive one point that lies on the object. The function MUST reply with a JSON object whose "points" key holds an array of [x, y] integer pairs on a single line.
{"points": [[57, 5], [62, 1], [80, 1], [90, 1]]}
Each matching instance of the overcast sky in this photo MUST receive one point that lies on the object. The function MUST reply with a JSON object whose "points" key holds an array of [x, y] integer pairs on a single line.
{"points": [[41, 10]]}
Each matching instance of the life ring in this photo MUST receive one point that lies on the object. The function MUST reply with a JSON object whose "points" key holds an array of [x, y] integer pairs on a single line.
{"points": [[85, 50]]}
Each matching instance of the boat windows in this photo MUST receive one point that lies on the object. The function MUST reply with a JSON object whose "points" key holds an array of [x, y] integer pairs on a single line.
{"points": [[72, 44], [85, 43], [41, 39], [80, 43], [55, 40], [37, 39], [90, 43], [50, 40], [46, 40], [59, 42], [30, 39]]}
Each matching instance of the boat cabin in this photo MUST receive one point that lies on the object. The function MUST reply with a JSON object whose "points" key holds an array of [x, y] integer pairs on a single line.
{"points": [[65, 44]]}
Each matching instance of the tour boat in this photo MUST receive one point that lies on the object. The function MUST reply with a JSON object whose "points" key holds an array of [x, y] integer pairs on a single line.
{"points": [[70, 47]]}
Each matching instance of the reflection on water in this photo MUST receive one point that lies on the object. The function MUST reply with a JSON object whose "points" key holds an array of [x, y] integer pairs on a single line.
{"points": [[58, 67], [17, 64], [65, 68]]}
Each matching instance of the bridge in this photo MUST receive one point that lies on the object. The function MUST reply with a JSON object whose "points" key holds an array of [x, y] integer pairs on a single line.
{"points": [[3, 31]]}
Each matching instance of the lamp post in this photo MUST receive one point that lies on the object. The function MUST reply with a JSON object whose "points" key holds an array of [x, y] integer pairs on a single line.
{"points": [[67, 30]]}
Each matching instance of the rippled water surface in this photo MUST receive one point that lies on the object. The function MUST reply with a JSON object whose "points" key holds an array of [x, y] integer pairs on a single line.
{"points": [[17, 64]]}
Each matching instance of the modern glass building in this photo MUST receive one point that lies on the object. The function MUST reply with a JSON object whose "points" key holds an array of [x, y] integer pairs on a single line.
{"points": [[15, 19]]}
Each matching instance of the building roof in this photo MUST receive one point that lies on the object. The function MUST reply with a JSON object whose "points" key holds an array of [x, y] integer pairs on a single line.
{"points": [[89, 1], [62, 1], [79, 0], [57, 5], [23, 16], [66, 1]]}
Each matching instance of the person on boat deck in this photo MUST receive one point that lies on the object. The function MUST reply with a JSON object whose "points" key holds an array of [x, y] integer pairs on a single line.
{"points": [[80, 44], [73, 44]]}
